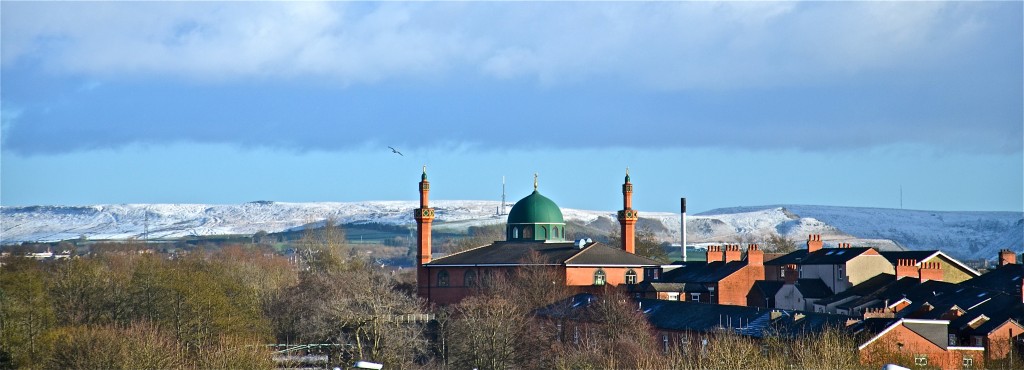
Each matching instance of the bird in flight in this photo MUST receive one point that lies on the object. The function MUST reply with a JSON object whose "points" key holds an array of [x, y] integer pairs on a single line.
{"points": [[393, 150]]}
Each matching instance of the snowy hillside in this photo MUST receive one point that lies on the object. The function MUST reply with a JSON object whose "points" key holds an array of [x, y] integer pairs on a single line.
{"points": [[962, 234]]}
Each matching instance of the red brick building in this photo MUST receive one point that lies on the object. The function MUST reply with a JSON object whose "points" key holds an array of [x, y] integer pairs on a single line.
{"points": [[726, 278], [535, 236]]}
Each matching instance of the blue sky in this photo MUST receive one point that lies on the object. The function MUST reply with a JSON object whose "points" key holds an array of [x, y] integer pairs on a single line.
{"points": [[727, 104]]}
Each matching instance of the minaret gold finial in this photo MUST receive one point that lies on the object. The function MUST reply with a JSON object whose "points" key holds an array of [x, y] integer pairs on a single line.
{"points": [[425, 169], [424, 177], [627, 170], [534, 181]]}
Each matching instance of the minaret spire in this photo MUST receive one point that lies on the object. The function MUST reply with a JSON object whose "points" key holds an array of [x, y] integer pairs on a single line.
{"points": [[424, 216], [628, 217], [534, 181]]}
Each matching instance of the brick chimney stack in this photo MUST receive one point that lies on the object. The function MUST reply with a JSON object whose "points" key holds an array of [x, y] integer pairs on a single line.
{"points": [[1007, 257], [844, 245], [791, 272], [814, 243], [714, 253], [733, 253], [906, 268], [930, 271], [755, 256]]}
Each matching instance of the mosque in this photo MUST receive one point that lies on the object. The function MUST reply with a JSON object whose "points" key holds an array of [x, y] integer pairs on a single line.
{"points": [[535, 225]]}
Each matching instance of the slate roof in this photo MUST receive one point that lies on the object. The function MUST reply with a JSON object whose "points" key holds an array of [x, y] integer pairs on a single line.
{"points": [[832, 256], [999, 309], [862, 289], [702, 272], [749, 321], [824, 256], [936, 331], [1006, 279], [918, 256], [654, 286], [768, 288], [513, 253], [793, 257], [705, 317], [813, 288]]}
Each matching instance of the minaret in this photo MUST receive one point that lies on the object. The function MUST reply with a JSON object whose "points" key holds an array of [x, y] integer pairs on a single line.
{"points": [[424, 217], [627, 217]]}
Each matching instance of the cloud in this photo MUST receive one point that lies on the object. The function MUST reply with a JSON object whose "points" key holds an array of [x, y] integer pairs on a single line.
{"points": [[302, 75], [663, 45]]}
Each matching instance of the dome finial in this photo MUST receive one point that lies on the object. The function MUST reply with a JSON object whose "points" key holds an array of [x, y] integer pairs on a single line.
{"points": [[424, 172], [627, 173], [534, 181]]}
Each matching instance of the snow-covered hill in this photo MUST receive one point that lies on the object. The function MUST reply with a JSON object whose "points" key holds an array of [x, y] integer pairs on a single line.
{"points": [[965, 235]]}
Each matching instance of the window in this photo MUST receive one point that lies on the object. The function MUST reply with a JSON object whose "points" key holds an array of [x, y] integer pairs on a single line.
{"points": [[842, 273], [515, 233], [630, 277], [968, 362], [599, 277], [469, 278], [920, 360], [695, 297], [527, 232], [554, 230], [543, 232], [801, 272], [782, 272], [979, 341], [442, 278], [672, 296]]}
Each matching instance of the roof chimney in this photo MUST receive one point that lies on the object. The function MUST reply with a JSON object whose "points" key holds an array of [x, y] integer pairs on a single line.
{"points": [[814, 243], [714, 253], [1007, 257], [732, 253], [791, 274], [930, 271], [906, 268], [755, 256]]}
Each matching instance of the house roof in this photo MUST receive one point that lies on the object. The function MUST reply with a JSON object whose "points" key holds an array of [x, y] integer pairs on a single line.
{"points": [[653, 286], [790, 258], [1006, 279], [706, 317], [860, 290], [768, 288], [702, 272], [935, 331], [749, 321], [998, 310], [813, 288], [559, 253], [833, 256]]}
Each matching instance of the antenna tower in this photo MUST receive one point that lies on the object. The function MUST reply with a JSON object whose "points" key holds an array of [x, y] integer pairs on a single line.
{"points": [[502, 196]]}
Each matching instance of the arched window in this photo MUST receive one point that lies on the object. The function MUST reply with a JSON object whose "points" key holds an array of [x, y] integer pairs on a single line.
{"points": [[555, 232], [469, 278], [599, 277], [442, 278], [543, 232], [528, 232], [630, 277], [515, 233]]}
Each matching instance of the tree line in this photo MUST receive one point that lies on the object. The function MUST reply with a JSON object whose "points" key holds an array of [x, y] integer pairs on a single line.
{"points": [[221, 308]]}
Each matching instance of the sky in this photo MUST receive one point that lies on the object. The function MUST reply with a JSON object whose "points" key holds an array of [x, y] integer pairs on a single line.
{"points": [[865, 104]]}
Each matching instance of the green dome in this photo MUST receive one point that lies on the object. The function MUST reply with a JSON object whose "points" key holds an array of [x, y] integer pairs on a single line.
{"points": [[535, 209]]}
